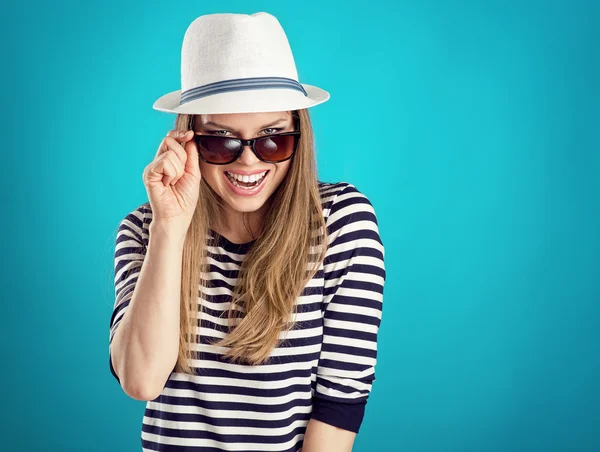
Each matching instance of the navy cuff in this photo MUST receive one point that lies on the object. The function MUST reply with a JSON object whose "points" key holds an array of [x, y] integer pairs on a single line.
{"points": [[348, 416]]}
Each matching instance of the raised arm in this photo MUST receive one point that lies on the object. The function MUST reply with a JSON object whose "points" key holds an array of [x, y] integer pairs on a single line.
{"points": [[144, 330]]}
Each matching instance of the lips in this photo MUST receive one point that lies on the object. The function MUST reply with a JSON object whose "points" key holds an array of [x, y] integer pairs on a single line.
{"points": [[245, 191]]}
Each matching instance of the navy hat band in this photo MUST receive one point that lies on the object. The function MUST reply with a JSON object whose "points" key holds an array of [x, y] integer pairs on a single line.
{"points": [[240, 84]]}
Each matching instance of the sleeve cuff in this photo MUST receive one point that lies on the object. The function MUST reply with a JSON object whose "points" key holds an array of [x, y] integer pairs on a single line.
{"points": [[348, 416]]}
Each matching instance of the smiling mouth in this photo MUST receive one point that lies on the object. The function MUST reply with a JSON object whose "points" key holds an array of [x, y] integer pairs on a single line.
{"points": [[242, 184]]}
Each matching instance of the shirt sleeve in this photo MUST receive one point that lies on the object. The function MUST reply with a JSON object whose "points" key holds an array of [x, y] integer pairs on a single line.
{"points": [[130, 249], [354, 276]]}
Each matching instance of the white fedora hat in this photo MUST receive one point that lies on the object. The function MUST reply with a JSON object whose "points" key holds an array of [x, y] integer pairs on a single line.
{"points": [[238, 63]]}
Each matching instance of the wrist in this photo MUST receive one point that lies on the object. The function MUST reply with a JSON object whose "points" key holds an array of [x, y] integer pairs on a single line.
{"points": [[167, 231]]}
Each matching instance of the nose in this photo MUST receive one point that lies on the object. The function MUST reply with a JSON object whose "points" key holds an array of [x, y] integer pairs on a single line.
{"points": [[248, 158]]}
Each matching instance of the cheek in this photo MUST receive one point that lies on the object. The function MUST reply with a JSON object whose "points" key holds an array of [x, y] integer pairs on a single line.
{"points": [[210, 173], [282, 170]]}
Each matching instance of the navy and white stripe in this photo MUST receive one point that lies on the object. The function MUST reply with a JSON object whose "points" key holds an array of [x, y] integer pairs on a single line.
{"points": [[324, 370], [239, 84]]}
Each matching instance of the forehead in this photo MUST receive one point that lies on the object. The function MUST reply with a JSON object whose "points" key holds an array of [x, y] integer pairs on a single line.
{"points": [[240, 121]]}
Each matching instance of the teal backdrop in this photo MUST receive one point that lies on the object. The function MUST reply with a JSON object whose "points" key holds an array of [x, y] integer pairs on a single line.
{"points": [[472, 126]]}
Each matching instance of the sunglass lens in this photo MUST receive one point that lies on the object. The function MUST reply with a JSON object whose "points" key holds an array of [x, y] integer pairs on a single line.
{"points": [[275, 148], [217, 150]]}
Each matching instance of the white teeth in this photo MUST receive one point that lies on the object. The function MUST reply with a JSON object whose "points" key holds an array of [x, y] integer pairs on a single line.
{"points": [[245, 178], [255, 178]]}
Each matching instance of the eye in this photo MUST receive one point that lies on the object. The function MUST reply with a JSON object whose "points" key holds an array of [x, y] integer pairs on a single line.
{"points": [[274, 129], [216, 132]]}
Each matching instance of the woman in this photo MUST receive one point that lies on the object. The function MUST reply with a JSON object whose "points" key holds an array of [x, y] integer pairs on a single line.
{"points": [[248, 293]]}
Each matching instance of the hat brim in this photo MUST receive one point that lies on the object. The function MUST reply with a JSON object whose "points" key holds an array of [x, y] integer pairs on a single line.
{"points": [[247, 101]]}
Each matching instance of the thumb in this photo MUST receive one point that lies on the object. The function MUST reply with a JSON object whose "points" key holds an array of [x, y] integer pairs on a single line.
{"points": [[192, 165]]}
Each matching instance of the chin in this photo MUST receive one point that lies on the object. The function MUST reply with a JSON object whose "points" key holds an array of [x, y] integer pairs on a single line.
{"points": [[243, 203], [246, 205]]}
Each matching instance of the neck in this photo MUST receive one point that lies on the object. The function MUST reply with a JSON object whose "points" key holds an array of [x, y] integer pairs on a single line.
{"points": [[241, 227]]}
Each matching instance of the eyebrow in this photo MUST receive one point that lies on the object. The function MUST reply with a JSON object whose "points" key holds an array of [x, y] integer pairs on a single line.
{"points": [[211, 123]]}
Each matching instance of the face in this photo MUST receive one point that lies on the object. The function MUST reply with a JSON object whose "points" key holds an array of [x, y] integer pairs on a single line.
{"points": [[244, 126]]}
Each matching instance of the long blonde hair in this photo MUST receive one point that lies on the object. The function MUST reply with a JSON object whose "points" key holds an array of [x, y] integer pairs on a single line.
{"points": [[274, 272]]}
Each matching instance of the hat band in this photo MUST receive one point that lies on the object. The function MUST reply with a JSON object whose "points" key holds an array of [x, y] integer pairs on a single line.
{"points": [[240, 84]]}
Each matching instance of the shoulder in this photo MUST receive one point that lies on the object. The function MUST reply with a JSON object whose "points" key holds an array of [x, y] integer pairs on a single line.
{"points": [[343, 200], [136, 223], [352, 224]]}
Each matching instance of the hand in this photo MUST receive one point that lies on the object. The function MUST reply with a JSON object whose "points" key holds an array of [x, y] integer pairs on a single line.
{"points": [[172, 180]]}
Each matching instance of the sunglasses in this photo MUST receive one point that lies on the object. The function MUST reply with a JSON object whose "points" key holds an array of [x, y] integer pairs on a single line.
{"points": [[273, 148]]}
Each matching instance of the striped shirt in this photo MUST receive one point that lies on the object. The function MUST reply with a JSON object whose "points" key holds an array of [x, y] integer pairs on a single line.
{"points": [[324, 369]]}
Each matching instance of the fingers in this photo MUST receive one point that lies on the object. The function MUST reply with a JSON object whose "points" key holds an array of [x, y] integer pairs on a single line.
{"points": [[172, 148], [174, 157], [173, 167], [192, 165], [166, 168], [175, 141], [188, 153]]}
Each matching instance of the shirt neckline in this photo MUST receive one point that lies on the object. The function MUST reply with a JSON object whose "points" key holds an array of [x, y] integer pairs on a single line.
{"points": [[238, 248]]}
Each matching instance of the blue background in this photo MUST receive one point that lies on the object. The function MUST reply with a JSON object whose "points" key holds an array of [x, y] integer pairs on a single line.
{"points": [[473, 128]]}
